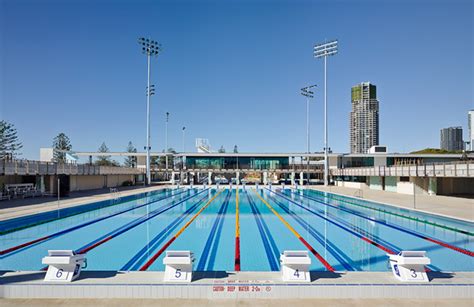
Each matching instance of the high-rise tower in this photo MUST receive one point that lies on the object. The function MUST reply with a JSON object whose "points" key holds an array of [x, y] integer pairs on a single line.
{"points": [[364, 121], [451, 139], [470, 127]]}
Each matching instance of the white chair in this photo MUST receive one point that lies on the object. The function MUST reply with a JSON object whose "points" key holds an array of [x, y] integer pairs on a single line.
{"points": [[179, 266], [409, 266], [294, 266], [63, 265]]}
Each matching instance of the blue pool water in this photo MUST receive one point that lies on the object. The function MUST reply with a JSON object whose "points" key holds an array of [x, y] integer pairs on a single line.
{"points": [[350, 234]]}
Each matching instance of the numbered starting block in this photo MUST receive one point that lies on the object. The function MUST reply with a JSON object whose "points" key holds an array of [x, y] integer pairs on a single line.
{"points": [[295, 266], [179, 266], [63, 265], [409, 266]]}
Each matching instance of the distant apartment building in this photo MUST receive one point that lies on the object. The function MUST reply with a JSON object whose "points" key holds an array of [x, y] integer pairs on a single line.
{"points": [[451, 139], [470, 127], [364, 121]]}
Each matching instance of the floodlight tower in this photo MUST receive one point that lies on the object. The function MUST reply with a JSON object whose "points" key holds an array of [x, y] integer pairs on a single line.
{"points": [[184, 131], [305, 91], [150, 48], [323, 51], [166, 143]]}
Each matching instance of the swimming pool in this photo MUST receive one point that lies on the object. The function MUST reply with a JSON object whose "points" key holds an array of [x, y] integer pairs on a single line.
{"points": [[239, 229]]}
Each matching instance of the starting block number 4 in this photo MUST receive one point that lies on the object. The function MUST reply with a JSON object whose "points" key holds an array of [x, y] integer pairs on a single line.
{"points": [[297, 275]]}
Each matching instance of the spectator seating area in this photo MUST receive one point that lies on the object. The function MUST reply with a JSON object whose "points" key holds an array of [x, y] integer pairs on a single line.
{"points": [[18, 190]]}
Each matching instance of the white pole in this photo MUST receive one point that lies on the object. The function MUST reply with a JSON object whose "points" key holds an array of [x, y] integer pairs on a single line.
{"points": [[59, 183], [148, 173], [184, 129], [166, 144], [414, 194], [325, 125], [307, 139], [307, 124]]}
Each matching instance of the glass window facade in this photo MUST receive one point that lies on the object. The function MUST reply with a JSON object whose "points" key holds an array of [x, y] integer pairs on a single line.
{"points": [[237, 163]]}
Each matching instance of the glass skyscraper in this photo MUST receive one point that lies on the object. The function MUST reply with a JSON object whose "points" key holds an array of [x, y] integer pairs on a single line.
{"points": [[451, 139], [364, 121]]}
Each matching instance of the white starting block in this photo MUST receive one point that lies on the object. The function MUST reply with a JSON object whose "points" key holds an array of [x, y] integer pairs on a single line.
{"points": [[179, 266], [282, 186], [410, 266], [63, 265], [295, 266]]}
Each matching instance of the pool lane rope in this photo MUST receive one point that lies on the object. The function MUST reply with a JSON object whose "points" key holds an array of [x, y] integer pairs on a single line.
{"points": [[167, 244], [271, 249], [352, 229], [399, 228], [141, 256], [212, 239], [342, 199], [313, 251], [337, 253], [237, 233], [4, 232], [62, 232]]}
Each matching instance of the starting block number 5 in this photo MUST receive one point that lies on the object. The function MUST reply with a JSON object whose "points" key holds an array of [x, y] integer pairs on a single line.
{"points": [[179, 275]]}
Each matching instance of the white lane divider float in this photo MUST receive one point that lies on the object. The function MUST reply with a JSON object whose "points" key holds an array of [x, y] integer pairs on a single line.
{"points": [[409, 266], [179, 266], [63, 265], [295, 266]]}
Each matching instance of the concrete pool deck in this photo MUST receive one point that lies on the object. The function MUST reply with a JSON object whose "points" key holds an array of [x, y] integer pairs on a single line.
{"points": [[449, 206], [237, 285], [454, 207], [237, 302], [22, 207]]}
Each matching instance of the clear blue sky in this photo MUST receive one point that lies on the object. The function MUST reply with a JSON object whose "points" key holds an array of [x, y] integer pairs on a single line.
{"points": [[231, 71]]}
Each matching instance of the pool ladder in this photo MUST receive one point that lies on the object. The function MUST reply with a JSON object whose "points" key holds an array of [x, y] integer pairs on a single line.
{"points": [[115, 193]]}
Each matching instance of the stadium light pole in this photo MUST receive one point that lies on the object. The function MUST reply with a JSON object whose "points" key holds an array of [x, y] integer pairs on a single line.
{"points": [[166, 143], [323, 51], [184, 130], [150, 48], [305, 91]]}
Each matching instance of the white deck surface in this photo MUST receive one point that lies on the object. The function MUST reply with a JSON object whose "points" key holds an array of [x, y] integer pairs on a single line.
{"points": [[222, 285]]}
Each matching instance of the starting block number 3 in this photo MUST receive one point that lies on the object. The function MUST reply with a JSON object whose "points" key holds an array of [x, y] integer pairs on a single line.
{"points": [[414, 275]]}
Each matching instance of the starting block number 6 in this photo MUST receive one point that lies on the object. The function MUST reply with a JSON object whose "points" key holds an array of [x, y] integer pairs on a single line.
{"points": [[60, 274]]}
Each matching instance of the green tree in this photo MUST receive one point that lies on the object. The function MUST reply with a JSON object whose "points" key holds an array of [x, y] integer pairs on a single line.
{"points": [[9, 142], [131, 161], [435, 151], [61, 143], [222, 149], [106, 159], [162, 160]]}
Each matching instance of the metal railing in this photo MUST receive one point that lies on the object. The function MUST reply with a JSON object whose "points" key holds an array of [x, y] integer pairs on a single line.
{"points": [[449, 169], [28, 167]]}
